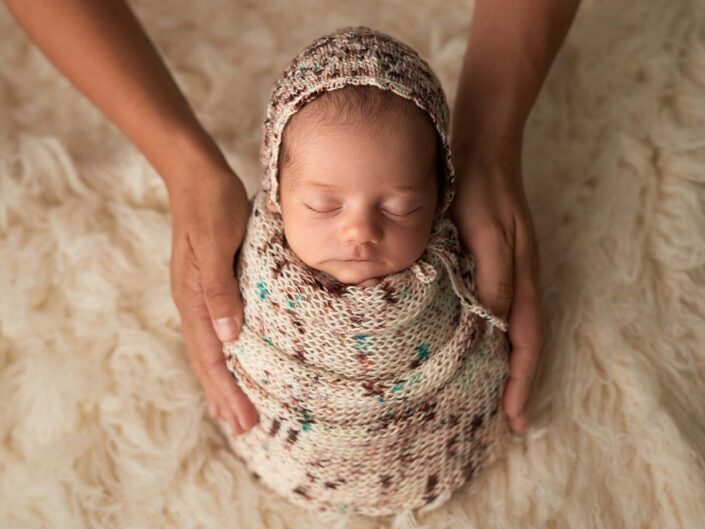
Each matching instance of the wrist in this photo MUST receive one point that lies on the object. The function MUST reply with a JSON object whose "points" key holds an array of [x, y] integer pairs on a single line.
{"points": [[488, 177], [491, 150], [190, 155], [488, 144], [487, 126]]}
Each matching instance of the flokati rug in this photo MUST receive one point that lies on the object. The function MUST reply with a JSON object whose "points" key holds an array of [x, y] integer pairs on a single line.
{"points": [[102, 421]]}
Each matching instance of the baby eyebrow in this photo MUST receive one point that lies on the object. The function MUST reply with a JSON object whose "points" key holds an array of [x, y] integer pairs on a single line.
{"points": [[321, 184], [403, 187], [410, 187]]}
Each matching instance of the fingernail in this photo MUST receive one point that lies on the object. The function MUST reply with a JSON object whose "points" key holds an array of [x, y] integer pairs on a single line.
{"points": [[226, 328], [249, 424]]}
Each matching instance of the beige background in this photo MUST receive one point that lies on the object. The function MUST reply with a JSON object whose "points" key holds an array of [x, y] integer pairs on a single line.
{"points": [[102, 422]]}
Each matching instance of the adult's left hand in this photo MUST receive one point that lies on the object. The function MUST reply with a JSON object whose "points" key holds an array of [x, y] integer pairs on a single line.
{"points": [[494, 223]]}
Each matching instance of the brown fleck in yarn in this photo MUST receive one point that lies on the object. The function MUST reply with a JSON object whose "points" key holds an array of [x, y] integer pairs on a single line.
{"points": [[375, 400]]}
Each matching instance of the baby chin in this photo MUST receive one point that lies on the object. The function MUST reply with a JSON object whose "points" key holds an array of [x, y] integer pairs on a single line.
{"points": [[361, 274]]}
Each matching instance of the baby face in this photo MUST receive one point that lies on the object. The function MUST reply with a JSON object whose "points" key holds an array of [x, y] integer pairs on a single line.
{"points": [[358, 199]]}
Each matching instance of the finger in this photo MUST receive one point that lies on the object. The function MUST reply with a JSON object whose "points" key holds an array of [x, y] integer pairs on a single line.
{"points": [[204, 347], [212, 395], [225, 415], [233, 423], [209, 349], [230, 421], [525, 328], [494, 269], [239, 405], [216, 260]]}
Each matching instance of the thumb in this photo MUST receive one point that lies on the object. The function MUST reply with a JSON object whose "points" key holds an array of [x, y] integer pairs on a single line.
{"points": [[220, 289], [493, 253]]}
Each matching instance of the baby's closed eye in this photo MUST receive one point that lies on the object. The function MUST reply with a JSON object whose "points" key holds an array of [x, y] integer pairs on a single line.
{"points": [[414, 210], [396, 211]]}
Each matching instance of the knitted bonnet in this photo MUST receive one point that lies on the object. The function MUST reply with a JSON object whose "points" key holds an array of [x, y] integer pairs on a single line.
{"points": [[354, 56], [377, 400]]}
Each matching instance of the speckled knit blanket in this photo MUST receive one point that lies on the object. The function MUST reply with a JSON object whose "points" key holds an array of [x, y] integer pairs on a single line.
{"points": [[372, 400]]}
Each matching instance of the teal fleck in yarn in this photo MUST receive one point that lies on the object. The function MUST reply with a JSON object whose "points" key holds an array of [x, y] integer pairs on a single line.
{"points": [[362, 342], [422, 350], [415, 378], [306, 424], [294, 305], [262, 290]]}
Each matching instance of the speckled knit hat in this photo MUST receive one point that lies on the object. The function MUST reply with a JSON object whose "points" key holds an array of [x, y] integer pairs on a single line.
{"points": [[379, 400], [354, 56]]}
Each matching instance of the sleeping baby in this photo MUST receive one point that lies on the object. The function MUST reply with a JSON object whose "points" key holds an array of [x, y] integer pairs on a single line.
{"points": [[357, 197], [376, 374]]}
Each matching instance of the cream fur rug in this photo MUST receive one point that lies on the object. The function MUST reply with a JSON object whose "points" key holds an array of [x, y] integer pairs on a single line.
{"points": [[102, 422]]}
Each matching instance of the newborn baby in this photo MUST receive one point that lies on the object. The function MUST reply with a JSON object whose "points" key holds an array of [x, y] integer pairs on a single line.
{"points": [[359, 179], [376, 374]]}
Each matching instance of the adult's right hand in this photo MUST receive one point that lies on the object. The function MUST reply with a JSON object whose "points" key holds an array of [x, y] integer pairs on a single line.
{"points": [[102, 48], [209, 218]]}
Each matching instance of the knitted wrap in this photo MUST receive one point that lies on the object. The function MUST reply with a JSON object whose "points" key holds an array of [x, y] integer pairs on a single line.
{"points": [[372, 400]]}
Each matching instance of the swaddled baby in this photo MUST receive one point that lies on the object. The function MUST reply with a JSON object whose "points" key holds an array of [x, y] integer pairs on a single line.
{"points": [[376, 374]]}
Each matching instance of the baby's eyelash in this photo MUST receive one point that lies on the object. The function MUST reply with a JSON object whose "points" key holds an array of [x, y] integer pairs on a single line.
{"points": [[389, 212], [317, 211], [404, 214]]}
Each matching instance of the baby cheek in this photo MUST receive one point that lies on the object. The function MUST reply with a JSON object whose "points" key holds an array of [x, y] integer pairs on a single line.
{"points": [[304, 237], [410, 244]]}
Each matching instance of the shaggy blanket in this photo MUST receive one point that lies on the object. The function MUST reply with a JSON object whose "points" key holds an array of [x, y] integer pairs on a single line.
{"points": [[102, 421]]}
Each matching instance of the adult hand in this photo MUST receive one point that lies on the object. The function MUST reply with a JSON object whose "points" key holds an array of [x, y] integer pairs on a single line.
{"points": [[494, 223], [209, 217]]}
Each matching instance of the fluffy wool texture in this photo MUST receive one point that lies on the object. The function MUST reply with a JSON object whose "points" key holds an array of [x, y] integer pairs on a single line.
{"points": [[103, 422]]}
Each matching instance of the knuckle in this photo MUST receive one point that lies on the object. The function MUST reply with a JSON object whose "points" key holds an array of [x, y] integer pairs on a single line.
{"points": [[505, 290], [505, 234], [495, 232], [216, 291], [185, 296], [179, 294]]}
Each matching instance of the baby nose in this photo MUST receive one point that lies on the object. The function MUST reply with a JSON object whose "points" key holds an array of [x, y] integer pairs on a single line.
{"points": [[359, 229]]}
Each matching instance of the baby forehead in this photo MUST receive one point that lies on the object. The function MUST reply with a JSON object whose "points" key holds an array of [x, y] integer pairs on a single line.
{"points": [[365, 144], [330, 167], [342, 185], [355, 184]]}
